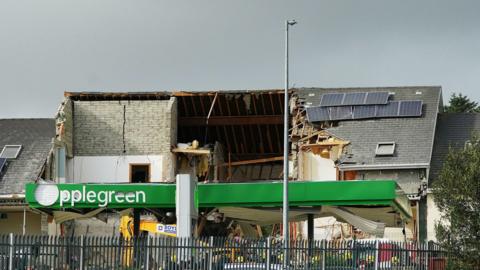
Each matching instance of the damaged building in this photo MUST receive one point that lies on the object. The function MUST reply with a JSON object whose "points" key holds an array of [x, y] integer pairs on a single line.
{"points": [[368, 133], [223, 137], [151, 137]]}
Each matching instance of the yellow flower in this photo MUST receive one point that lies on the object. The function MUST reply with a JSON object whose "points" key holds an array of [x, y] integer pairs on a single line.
{"points": [[370, 259], [280, 256]]}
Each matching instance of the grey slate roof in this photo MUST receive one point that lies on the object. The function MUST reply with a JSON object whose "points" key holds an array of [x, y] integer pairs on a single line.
{"points": [[35, 136], [453, 130], [413, 136]]}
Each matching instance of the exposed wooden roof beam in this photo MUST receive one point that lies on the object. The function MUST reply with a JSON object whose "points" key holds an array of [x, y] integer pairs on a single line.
{"points": [[242, 129], [262, 149], [231, 120], [253, 161]]}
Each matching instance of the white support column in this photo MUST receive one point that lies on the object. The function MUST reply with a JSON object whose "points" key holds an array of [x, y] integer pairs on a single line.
{"points": [[185, 204], [324, 245], [268, 253], [10, 257], [210, 253], [186, 213], [147, 262], [24, 221], [82, 247]]}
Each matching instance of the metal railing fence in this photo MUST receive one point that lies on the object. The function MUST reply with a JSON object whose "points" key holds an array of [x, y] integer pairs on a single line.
{"points": [[213, 253]]}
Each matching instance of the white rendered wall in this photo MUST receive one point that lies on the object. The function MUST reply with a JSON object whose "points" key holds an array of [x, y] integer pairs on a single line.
{"points": [[114, 169], [433, 216], [317, 168]]}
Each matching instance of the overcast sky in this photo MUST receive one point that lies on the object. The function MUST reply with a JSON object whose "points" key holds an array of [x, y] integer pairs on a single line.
{"points": [[48, 47]]}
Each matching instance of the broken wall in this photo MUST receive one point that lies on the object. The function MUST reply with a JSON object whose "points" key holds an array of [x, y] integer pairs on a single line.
{"points": [[64, 126], [132, 127], [110, 135], [316, 168]]}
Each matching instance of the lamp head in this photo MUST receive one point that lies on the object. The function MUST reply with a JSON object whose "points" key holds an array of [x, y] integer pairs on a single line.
{"points": [[291, 22]]}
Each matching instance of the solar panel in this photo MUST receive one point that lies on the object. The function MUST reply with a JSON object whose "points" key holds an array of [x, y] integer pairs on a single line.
{"points": [[341, 113], [388, 110], [410, 108], [332, 99], [374, 98], [317, 114], [3, 161], [362, 112], [354, 99]]}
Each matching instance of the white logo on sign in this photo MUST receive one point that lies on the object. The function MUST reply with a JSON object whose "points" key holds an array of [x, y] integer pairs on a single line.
{"points": [[46, 195]]}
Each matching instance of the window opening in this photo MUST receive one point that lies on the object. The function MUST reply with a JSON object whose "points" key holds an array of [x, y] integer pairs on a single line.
{"points": [[139, 173]]}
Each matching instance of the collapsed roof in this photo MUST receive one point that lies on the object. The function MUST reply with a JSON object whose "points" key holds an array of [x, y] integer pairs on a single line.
{"points": [[386, 127], [248, 123]]}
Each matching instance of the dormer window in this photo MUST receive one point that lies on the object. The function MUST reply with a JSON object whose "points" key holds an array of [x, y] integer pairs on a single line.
{"points": [[10, 151], [385, 149]]}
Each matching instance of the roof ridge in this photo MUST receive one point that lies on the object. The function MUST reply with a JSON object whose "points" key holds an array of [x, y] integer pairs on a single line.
{"points": [[373, 87], [19, 119]]}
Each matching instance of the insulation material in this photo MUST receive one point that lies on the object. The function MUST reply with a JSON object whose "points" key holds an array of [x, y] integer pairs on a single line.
{"points": [[274, 216], [368, 226], [247, 99], [202, 165], [62, 216], [262, 216], [247, 230]]}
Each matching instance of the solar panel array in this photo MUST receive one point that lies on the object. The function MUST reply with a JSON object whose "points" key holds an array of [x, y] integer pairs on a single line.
{"points": [[348, 99], [3, 162], [411, 108]]}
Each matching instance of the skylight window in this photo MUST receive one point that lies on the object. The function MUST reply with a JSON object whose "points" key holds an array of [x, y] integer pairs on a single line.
{"points": [[10, 151], [385, 149]]}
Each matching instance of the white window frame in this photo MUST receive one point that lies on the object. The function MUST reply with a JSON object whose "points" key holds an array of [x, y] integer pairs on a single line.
{"points": [[11, 145], [385, 154]]}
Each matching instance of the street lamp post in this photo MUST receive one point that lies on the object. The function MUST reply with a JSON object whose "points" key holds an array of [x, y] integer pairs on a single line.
{"points": [[286, 238]]}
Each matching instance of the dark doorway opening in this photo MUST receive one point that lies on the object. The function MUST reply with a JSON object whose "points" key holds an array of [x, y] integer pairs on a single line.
{"points": [[139, 173]]}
